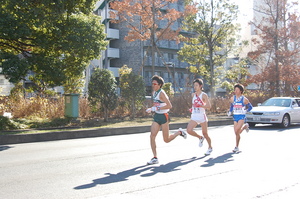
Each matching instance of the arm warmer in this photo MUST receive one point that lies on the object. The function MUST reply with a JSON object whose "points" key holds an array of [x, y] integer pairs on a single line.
{"points": [[231, 107], [249, 107]]}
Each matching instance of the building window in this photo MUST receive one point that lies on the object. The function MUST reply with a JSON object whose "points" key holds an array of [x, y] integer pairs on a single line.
{"points": [[158, 73], [170, 56]]}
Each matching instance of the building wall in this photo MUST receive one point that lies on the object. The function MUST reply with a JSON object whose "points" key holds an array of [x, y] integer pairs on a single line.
{"points": [[133, 54], [130, 52], [5, 86]]}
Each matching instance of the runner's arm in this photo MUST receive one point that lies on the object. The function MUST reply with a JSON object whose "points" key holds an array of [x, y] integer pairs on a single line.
{"points": [[248, 104], [206, 101], [164, 98]]}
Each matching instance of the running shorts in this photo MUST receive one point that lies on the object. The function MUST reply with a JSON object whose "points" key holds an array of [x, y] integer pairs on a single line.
{"points": [[199, 118], [161, 118], [237, 118]]}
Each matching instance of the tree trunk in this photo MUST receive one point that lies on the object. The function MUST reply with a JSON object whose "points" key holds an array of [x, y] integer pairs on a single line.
{"points": [[153, 38], [105, 114], [132, 116], [153, 43], [276, 42]]}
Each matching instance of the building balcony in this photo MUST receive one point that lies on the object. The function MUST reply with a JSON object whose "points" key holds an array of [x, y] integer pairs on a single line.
{"points": [[105, 14], [113, 33], [159, 62], [113, 53]]}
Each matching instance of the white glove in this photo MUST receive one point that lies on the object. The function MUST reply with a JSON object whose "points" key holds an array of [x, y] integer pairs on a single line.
{"points": [[229, 113], [153, 108]]}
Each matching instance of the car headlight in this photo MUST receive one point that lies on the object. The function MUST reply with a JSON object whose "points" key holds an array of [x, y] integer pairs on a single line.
{"points": [[271, 113], [249, 113]]}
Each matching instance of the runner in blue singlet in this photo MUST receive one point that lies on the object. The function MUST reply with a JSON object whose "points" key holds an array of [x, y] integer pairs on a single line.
{"points": [[238, 109]]}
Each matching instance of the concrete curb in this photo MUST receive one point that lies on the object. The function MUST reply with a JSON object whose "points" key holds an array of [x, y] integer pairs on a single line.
{"points": [[88, 133]]}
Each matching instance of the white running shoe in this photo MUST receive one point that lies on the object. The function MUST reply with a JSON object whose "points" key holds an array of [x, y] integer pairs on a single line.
{"points": [[183, 133], [208, 152], [235, 150], [247, 127], [153, 161], [201, 141]]}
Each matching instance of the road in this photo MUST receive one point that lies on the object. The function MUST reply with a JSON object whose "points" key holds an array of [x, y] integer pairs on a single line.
{"points": [[114, 167]]}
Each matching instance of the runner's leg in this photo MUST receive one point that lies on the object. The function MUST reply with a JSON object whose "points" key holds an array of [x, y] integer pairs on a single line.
{"points": [[237, 130], [166, 135], [205, 134], [190, 129], [154, 131]]}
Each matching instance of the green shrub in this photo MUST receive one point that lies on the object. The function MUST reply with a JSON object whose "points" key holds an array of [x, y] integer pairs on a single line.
{"points": [[8, 124]]}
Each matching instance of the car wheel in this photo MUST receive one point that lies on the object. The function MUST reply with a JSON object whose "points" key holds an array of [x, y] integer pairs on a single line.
{"points": [[285, 121], [252, 124]]}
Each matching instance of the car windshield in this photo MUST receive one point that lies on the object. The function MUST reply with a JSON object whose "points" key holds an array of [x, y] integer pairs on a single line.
{"points": [[277, 102]]}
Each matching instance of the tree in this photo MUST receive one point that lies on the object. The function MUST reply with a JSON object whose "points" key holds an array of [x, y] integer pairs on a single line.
{"points": [[237, 73], [167, 87], [215, 37], [102, 91], [53, 39], [74, 84], [150, 20], [132, 89], [277, 53]]}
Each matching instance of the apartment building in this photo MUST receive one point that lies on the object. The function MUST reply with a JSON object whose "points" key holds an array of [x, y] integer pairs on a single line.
{"points": [[120, 52]]}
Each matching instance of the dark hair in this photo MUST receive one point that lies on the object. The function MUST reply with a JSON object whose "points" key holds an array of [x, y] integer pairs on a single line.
{"points": [[199, 81], [240, 86], [159, 80]]}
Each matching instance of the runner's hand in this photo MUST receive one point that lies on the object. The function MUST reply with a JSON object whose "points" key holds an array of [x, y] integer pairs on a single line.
{"points": [[153, 108], [229, 113]]}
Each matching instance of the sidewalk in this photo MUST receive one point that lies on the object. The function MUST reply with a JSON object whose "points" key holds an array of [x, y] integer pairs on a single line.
{"points": [[95, 132]]}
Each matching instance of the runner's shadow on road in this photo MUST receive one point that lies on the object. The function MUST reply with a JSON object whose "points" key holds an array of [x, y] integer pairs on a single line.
{"points": [[112, 178], [2, 148], [220, 159], [124, 175], [170, 167]]}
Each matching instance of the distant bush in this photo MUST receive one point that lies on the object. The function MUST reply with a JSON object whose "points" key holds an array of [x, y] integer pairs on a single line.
{"points": [[39, 112], [256, 97], [8, 124]]}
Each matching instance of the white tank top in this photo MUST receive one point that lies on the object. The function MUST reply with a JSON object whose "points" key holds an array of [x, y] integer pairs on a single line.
{"points": [[197, 102], [158, 102]]}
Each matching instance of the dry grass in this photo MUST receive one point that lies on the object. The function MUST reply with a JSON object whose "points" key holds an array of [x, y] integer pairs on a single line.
{"points": [[49, 108], [40, 112]]}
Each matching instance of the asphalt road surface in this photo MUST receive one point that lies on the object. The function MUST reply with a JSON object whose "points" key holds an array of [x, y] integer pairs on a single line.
{"points": [[115, 167]]}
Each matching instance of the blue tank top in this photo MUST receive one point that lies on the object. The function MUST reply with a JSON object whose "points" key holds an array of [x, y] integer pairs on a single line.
{"points": [[239, 106]]}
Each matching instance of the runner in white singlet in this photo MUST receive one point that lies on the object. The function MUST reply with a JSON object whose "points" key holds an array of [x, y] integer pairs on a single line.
{"points": [[200, 102], [161, 107]]}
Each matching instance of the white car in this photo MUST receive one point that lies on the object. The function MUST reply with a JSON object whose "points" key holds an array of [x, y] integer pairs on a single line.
{"points": [[276, 110]]}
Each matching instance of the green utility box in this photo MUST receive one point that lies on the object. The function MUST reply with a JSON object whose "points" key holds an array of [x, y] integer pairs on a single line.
{"points": [[71, 105]]}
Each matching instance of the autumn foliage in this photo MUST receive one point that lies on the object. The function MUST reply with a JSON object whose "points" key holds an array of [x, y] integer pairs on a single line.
{"points": [[144, 16], [277, 53]]}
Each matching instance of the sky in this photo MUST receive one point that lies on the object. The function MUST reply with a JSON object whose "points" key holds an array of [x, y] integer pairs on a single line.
{"points": [[246, 10]]}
